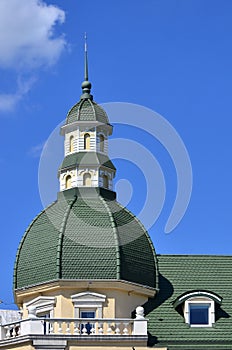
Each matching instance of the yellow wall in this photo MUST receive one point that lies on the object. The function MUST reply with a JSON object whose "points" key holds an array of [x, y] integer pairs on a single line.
{"points": [[119, 303]]}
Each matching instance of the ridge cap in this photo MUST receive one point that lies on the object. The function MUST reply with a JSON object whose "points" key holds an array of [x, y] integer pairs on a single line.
{"points": [[61, 235], [114, 227]]}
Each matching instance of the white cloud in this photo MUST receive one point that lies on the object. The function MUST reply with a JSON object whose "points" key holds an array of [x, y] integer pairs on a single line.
{"points": [[27, 38], [9, 101]]}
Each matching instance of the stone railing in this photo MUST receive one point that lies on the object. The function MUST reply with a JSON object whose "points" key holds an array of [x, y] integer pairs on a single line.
{"points": [[10, 330], [75, 327], [83, 327]]}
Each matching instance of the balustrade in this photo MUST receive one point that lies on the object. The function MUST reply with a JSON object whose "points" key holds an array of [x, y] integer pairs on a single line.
{"points": [[76, 327]]}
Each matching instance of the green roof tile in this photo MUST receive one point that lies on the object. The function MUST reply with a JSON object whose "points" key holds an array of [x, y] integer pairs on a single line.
{"points": [[86, 110], [88, 237], [180, 274], [86, 158]]}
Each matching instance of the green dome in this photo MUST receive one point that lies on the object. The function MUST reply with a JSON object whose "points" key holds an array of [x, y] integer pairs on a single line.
{"points": [[86, 110], [85, 236]]}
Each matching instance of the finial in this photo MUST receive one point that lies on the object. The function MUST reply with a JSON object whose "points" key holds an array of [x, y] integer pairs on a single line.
{"points": [[86, 85]]}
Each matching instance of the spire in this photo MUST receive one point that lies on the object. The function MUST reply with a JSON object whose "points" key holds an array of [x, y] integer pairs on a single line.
{"points": [[86, 85], [86, 59]]}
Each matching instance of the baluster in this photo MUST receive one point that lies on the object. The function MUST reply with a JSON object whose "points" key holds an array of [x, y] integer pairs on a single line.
{"points": [[77, 328], [100, 328], [84, 330], [125, 329], [92, 329], [68, 328], [13, 332], [18, 332], [117, 329], [109, 329], [7, 332], [60, 327], [51, 327]]}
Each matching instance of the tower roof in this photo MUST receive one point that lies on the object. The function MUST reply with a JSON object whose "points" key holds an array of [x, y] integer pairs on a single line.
{"points": [[86, 110], [85, 235]]}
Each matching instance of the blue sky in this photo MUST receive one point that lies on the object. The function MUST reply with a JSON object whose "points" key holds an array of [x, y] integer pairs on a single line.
{"points": [[172, 56]]}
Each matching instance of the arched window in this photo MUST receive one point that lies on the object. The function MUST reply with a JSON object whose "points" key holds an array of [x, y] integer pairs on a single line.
{"points": [[105, 181], [87, 141], [87, 180], [68, 180], [198, 307], [102, 139], [71, 144]]}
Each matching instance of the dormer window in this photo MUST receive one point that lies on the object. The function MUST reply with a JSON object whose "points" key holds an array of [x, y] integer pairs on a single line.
{"points": [[198, 308], [199, 313]]}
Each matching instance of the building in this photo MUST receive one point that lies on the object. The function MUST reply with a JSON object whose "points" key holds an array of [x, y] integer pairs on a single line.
{"points": [[87, 275]]}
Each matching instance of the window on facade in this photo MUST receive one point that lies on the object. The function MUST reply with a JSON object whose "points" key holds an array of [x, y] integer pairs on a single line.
{"points": [[71, 144], [198, 308], [68, 181], [88, 327], [105, 181], [199, 314], [87, 141], [102, 140], [87, 180]]}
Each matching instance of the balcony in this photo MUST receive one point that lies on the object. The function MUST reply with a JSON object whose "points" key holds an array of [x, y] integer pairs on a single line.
{"points": [[81, 330]]}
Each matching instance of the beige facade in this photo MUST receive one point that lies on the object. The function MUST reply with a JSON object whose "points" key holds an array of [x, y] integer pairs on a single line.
{"points": [[121, 298]]}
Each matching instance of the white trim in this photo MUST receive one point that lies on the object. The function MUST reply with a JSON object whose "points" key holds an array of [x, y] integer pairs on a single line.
{"points": [[207, 294], [88, 300], [42, 304], [200, 300]]}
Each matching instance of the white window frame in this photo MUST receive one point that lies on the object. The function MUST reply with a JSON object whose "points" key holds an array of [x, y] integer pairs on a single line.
{"points": [[200, 301], [88, 301]]}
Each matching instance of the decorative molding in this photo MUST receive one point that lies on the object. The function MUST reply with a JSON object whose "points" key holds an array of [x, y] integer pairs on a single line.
{"points": [[88, 300], [42, 304]]}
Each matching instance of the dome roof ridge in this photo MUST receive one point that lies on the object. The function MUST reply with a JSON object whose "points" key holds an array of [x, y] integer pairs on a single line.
{"points": [[85, 101], [61, 235], [115, 236]]}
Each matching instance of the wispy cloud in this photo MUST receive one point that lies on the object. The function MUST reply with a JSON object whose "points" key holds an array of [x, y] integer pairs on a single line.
{"points": [[9, 101], [28, 42], [35, 151]]}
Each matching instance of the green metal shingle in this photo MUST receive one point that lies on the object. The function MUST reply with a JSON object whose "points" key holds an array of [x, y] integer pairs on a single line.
{"points": [[86, 110], [182, 274], [85, 237], [86, 158]]}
